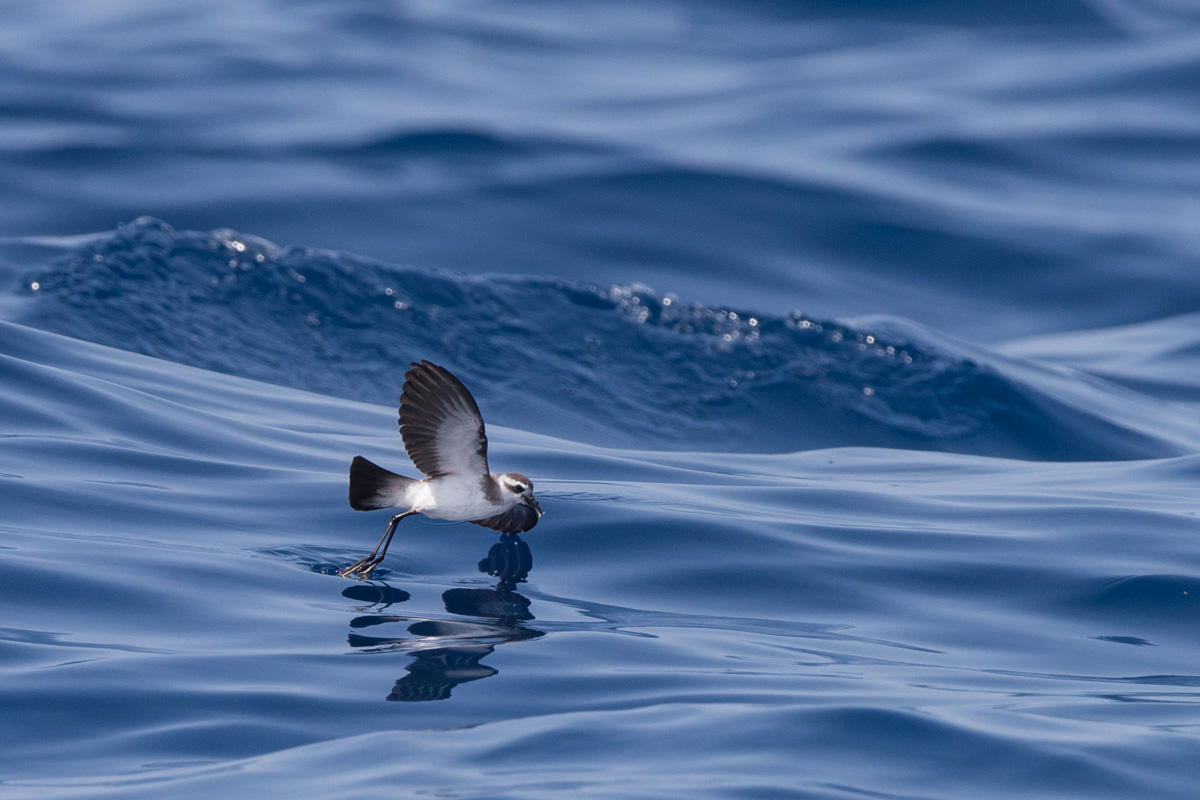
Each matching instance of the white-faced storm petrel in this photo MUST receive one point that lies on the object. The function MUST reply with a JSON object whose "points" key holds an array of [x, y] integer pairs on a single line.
{"points": [[443, 434]]}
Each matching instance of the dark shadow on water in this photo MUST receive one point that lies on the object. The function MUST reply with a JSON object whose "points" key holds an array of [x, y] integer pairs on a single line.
{"points": [[510, 560], [375, 594], [447, 652]]}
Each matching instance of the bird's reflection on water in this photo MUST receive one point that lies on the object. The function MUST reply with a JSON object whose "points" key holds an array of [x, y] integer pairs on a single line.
{"points": [[447, 652]]}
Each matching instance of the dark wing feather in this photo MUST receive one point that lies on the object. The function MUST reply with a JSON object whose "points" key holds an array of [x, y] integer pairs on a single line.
{"points": [[440, 423], [517, 519]]}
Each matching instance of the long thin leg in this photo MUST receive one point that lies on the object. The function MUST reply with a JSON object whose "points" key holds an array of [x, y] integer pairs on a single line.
{"points": [[364, 566], [362, 562]]}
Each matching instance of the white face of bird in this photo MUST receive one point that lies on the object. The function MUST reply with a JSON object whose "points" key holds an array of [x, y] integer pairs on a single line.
{"points": [[520, 486]]}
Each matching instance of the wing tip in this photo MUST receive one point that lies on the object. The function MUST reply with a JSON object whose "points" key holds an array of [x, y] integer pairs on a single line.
{"points": [[517, 519]]}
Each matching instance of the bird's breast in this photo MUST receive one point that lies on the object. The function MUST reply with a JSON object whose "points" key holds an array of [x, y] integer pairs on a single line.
{"points": [[453, 498]]}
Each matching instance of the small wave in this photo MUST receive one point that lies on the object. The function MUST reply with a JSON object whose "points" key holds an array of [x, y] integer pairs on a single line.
{"points": [[620, 365]]}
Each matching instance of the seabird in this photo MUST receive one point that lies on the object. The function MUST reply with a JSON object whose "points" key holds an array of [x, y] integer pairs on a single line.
{"points": [[444, 436]]}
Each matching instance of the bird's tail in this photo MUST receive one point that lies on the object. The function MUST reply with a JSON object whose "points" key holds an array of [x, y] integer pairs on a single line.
{"points": [[372, 486]]}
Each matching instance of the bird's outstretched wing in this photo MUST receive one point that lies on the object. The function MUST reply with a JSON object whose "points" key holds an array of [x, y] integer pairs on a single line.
{"points": [[440, 423], [517, 519]]}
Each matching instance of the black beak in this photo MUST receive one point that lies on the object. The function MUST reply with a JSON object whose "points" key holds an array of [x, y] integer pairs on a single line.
{"points": [[529, 501]]}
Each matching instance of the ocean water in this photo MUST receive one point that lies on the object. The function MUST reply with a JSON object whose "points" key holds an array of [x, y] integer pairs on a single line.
{"points": [[853, 349]]}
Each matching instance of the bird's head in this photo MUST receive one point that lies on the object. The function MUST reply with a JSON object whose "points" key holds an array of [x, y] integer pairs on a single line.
{"points": [[519, 487]]}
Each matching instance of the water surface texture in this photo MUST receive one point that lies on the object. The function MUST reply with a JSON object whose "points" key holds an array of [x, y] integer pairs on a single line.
{"points": [[854, 352]]}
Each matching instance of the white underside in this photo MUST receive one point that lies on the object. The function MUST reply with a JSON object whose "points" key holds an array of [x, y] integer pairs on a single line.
{"points": [[451, 498]]}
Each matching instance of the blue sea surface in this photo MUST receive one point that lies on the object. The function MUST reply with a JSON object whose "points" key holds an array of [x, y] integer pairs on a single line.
{"points": [[853, 349]]}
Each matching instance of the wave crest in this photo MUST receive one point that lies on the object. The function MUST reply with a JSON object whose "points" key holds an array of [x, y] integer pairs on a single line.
{"points": [[622, 365]]}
